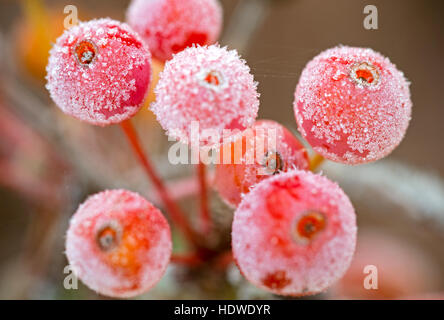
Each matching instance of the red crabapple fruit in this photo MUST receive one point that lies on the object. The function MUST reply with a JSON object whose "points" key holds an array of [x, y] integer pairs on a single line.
{"points": [[99, 72], [170, 26], [294, 233], [257, 159], [209, 86], [118, 244], [352, 105]]}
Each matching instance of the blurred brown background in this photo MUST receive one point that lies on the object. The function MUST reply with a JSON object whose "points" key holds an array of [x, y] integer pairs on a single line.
{"points": [[277, 38]]}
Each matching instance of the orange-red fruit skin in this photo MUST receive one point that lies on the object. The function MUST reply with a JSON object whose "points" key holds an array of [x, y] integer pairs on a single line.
{"points": [[270, 249], [118, 244], [235, 178]]}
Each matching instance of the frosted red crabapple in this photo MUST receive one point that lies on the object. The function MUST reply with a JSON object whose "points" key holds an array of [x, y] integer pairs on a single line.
{"points": [[209, 86], [352, 105], [294, 233], [118, 244], [256, 159], [170, 26], [99, 72]]}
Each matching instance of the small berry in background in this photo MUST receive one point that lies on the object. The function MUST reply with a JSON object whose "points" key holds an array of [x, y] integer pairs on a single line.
{"points": [[99, 72], [170, 26], [118, 244], [352, 105], [265, 150], [294, 234], [402, 269], [209, 86]]}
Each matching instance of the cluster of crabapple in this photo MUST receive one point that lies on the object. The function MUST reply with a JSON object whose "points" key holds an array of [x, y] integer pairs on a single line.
{"points": [[294, 231]]}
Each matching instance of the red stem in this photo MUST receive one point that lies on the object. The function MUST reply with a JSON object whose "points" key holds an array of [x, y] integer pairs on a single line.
{"points": [[176, 214], [223, 260], [205, 217], [191, 259]]}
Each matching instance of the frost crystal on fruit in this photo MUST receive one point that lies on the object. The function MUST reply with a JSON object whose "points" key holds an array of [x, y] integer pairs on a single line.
{"points": [[352, 105], [294, 233], [259, 158], [118, 244], [99, 72], [208, 86]]}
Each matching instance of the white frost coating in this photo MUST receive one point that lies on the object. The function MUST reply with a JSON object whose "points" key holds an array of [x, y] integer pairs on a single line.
{"points": [[263, 244], [111, 88], [349, 122], [181, 98]]}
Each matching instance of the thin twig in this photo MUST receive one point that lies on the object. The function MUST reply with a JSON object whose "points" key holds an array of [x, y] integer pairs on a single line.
{"points": [[175, 212], [190, 260]]}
